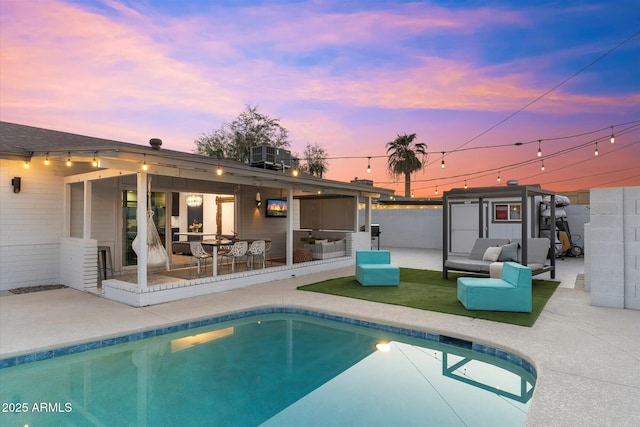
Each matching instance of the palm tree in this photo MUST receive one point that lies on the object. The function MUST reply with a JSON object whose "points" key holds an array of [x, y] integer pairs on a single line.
{"points": [[405, 159]]}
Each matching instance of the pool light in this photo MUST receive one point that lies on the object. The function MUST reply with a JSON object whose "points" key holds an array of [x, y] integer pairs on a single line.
{"points": [[384, 347]]}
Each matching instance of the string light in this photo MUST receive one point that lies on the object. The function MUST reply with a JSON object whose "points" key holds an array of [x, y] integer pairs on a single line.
{"points": [[442, 164], [613, 137], [596, 152], [542, 166], [46, 159], [465, 184], [539, 148], [294, 172], [26, 163], [368, 164], [498, 177], [94, 163], [69, 159], [144, 163], [219, 171], [436, 189]]}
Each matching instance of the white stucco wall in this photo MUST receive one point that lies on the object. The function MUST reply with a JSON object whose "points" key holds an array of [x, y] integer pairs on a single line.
{"points": [[612, 255], [408, 228]]}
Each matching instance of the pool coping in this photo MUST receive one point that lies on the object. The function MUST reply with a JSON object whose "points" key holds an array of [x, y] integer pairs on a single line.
{"points": [[81, 347]]}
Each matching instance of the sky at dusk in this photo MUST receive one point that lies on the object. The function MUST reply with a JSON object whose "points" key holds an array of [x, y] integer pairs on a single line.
{"points": [[470, 78]]}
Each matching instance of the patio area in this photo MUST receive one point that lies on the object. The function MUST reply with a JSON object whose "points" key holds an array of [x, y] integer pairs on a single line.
{"points": [[586, 357]]}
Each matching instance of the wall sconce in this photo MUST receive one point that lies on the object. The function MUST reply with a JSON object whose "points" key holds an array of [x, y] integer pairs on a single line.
{"points": [[16, 184], [258, 200]]}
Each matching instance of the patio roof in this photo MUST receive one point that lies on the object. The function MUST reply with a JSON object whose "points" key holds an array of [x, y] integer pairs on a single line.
{"points": [[23, 143], [504, 191]]}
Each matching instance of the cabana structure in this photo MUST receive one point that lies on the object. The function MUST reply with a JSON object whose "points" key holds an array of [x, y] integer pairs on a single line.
{"points": [[507, 212], [63, 196]]}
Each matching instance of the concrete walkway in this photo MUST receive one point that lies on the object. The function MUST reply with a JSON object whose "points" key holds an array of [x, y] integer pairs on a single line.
{"points": [[587, 358]]}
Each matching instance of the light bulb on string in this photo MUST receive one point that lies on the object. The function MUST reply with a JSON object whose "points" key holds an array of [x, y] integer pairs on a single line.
{"points": [[596, 152], [465, 184], [613, 137], [368, 164], [94, 162], [436, 189], [539, 148], [144, 163], [46, 160], [498, 177], [542, 166], [69, 159], [442, 164]]}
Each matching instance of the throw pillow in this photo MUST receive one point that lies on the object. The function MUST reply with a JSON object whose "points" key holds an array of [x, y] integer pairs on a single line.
{"points": [[509, 252], [492, 253]]}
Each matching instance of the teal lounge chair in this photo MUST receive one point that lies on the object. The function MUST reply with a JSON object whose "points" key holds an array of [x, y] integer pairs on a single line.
{"points": [[511, 292], [373, 268]]}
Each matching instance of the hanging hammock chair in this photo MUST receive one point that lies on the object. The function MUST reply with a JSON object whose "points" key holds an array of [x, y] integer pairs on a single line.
{"points": [[156, 252]]}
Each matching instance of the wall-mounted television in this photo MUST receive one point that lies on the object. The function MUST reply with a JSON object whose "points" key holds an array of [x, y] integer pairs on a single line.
{"points": [[276, 208]]}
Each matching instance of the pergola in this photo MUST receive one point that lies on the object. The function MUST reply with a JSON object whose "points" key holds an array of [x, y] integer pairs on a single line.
{"points": [[526, 193]]}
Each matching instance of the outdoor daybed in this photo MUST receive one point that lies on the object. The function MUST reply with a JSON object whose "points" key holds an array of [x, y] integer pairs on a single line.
{"points": [[487, 251]]}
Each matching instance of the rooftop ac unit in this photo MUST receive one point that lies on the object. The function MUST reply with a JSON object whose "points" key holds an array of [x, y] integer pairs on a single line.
{"points": [[269, 157]]}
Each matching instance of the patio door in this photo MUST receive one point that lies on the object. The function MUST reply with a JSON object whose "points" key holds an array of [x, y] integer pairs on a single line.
{"points": [[130, 221]]}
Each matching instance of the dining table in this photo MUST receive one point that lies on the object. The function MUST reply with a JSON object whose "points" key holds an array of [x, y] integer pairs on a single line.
{"points": [[215, 244], [195, 234]]}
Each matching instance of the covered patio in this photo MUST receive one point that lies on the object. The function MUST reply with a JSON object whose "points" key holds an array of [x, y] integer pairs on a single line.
{"points": [[106, 186]]}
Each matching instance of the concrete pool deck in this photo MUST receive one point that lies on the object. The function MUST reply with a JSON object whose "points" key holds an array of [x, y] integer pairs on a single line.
{"points": [[587, 358]]}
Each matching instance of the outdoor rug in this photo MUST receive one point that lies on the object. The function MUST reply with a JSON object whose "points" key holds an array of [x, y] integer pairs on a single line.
{"points": [[427, 290]]}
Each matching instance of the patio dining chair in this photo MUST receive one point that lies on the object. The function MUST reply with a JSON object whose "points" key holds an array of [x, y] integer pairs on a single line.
{"points": [[198, 252], [256, 250], [267, 252], [238, 252]]}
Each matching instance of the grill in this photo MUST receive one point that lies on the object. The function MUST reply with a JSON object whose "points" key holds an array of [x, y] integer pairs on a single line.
{"points": [[375, 234]]}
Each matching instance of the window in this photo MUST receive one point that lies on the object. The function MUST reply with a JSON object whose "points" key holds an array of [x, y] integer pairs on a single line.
{"points": [[507, 212]]}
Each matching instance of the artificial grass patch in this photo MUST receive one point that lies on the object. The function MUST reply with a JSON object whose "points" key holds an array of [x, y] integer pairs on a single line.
{"points": [[427, 290]]}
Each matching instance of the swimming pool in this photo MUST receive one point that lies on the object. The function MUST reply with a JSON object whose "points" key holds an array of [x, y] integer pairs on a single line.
{"points": [[271, 367]]}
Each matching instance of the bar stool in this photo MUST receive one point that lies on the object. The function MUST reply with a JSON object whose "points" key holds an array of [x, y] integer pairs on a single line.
{"points": [[105, 263]]}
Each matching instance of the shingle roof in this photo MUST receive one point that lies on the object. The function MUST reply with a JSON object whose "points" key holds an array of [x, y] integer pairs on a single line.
{"points": [[17, 141]]}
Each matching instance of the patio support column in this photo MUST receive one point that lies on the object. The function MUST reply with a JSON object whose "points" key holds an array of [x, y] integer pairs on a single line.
{"points": [[553, 236], [481, 228], [66, 211], [356, 215], [367, 214], [168, 235], [86, 230], [524, 221], [445, 233], [141, 215], [289, 237]]}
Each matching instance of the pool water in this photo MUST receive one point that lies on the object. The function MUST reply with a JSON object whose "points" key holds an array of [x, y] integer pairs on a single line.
{"points": [[273, 369]]}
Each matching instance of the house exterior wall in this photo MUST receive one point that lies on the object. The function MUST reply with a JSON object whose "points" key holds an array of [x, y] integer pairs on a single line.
{"points": [[254, 223], [31, 225], [106, 216], [612, 255]]}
